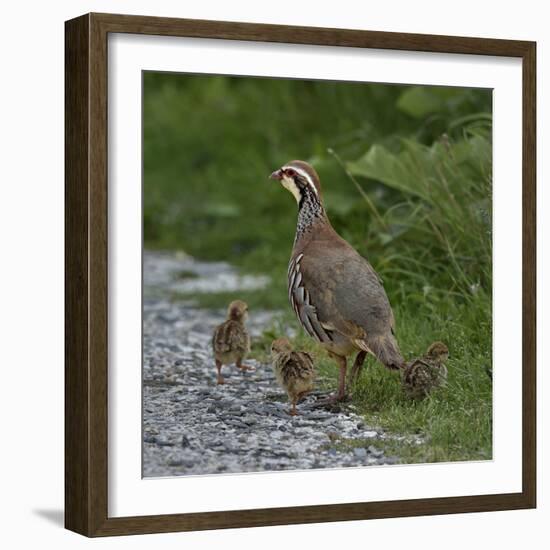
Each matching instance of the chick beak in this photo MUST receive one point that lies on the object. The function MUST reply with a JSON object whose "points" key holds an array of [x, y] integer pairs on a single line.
{"points": [[277, 175]]}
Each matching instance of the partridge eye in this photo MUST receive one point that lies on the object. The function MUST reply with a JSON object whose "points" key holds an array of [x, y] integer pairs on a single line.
{"points": [[290, 172]]}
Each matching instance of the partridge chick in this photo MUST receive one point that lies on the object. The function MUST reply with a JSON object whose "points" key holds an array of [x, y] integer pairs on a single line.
{"points": [[231, 341], [294, 371], [336, 294], [426, 373]]}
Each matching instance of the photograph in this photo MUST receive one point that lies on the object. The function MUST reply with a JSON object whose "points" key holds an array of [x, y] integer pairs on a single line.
{"points": [[317, 274]]}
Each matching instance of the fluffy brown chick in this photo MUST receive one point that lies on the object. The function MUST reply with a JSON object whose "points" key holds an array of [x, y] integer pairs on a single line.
{"points": [[231, 341], [426, 373], [294, 371]]}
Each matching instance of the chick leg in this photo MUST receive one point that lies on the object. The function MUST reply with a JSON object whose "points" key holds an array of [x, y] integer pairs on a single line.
{"points": [[219, 379], [293, 408], [296, 400], [242, 367], [357, 367]]}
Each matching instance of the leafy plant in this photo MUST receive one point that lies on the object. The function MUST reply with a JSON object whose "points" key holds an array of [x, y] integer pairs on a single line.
{"points": [[439, 228]]}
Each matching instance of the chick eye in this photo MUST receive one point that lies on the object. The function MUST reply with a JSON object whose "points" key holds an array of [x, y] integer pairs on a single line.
{"points": [[290, 172]]}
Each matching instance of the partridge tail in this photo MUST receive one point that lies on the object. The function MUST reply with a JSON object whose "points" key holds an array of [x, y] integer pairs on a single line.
{"points": [[386, 350]]}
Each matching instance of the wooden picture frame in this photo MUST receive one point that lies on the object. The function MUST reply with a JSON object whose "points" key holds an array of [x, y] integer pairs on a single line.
{"points": [[86, 283]]}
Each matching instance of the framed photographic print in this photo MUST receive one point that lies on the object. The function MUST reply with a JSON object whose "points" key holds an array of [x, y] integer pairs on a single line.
{"points": [[300, 275]]}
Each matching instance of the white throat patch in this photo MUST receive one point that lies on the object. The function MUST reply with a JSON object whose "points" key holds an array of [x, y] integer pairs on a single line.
{"points": [[288, 183], [304, 175]]}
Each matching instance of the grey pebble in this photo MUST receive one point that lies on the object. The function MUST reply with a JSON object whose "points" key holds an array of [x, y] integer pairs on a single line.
{"points": [[164, 443], [374, 451]]}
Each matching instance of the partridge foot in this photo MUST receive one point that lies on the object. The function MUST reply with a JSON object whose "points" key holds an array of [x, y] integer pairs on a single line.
{"points": [[244, 368], [330, 401]]}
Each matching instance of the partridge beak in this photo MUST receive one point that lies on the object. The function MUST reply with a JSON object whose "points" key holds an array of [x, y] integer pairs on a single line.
{"points": [[277, 175]]}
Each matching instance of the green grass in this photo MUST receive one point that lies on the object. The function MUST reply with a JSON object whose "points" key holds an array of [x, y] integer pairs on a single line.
{"points": [[407, 180]]}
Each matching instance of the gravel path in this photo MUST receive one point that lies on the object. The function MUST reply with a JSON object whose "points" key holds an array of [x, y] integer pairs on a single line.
{"points": [[191, 425]]}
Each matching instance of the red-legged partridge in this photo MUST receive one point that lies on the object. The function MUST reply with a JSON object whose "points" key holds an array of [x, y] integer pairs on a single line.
{"points": [[231, 341], [294, 371], [336, 294], [426, 373]]}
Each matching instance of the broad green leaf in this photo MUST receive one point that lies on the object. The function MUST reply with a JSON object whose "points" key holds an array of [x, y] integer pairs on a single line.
{"points": [[395, 171], [419, 101]]}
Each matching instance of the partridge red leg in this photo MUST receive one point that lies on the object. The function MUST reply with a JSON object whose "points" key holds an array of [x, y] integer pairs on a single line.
{"points": [[341, 393], [357, 366]]}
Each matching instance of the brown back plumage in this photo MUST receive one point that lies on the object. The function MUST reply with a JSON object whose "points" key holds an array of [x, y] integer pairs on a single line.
{"points": [[295, 365], [294, 370], [424, 374], [230, 336]]}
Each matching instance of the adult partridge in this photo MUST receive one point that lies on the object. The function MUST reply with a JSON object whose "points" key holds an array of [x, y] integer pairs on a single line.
{"points": [[336, 294]]}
